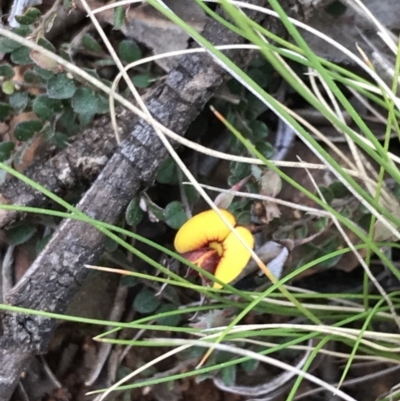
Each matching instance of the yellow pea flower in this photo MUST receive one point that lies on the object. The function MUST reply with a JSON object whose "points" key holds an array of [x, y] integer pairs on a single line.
{"points": [[207, 242]]}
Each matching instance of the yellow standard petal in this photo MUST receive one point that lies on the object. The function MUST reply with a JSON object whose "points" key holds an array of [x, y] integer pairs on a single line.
{"points": [[234, 257], [202, 229]]}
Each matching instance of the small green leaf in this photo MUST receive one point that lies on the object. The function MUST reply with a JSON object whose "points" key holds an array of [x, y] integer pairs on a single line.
{"points": [[156, 213], [5, 111], [250, 365], [90, 43], [67, 4], [19, 101], [259, 76], [45, 108], [175, 215], [20, 234], [142, 80], [22, 30], [259, 130], [104, 105], [252, 187], [170, 291], [43, 73], [236, 207], [121, 373], [191, 193], [26, 129], [110, 245], [233, 180], [336, 9], [47, 45], [85, 101], [59, 139], [60, 87], [42, 243], [5, 150], [256, 172], [346, 212], [119, 17], [91, 72], [129, 51], [29, 16], [265, 148], [240, 170], [168, 172], [339, 190], [129, 281], [8, 45], [6, 71], [146, 302], [326, 193], [228, 375], [8, 87], [85, 119], [31, 77], [134, 214], [321, 224], [21, 56], [244, 218], [67, 122], [168, 320], [301, 232]]}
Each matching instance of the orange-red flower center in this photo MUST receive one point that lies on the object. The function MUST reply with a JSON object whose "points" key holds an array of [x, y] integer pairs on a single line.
{"points": [[206, 257]]}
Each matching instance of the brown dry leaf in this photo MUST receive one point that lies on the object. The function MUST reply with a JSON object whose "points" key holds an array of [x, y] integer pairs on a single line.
{"points": [[381, 232], [272, 211], [45, 62], [19, 72], [224, 200], [36, 147], [214, 318], [271, 185], [4, 129]]}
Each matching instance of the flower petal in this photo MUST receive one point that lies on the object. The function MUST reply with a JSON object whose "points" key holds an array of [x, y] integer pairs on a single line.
{"points": [[235, 256], [202, 229], [205, 258]]}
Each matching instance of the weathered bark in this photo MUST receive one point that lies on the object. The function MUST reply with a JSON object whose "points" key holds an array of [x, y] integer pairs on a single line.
{"points": [[58, 272]]}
